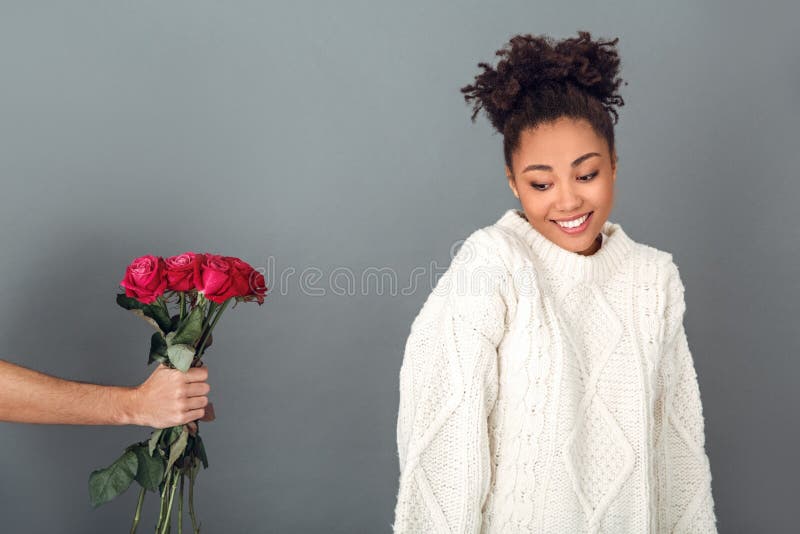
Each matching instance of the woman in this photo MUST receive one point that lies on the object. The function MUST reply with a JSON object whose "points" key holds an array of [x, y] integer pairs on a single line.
{"points": [[547, 384]]}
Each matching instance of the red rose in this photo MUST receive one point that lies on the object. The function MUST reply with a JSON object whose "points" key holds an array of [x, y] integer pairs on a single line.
{"points": [[145, 279], [217, 278], [241, 275], [258, 286], [183, 271]]}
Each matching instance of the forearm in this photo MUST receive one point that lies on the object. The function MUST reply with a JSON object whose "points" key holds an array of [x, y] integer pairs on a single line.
{"points": [[443, 426], [683, 470], [28, 396]]}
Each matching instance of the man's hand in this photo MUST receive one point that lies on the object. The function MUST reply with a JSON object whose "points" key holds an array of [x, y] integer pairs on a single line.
{"points": [[167, 398], [209, 416], [170, 397]]}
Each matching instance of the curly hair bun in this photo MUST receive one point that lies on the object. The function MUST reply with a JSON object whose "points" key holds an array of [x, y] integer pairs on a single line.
{"points": [[530, 65]]}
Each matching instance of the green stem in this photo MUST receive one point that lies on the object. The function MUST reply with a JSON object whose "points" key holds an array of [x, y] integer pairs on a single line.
{"points": [[163, 305], [162, 508], [211, 327], [211, 307], [205, 331], [180, 507], [165, 526], [192, 475], [183, 305], [138, 511]]}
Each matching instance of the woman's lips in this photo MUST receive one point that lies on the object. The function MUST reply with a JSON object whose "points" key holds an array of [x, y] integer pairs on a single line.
{"points": [[577, 229]]}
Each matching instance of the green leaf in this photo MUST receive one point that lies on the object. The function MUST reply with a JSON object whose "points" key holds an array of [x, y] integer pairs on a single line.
{"points": [[190, 328], [129, 303], [150, 470], [158, 348], [177, 448], [133, 446], [153, 443], [149, 320], [201, 451], [172, 435], [152, 313], [181, 356], [105, 484]]}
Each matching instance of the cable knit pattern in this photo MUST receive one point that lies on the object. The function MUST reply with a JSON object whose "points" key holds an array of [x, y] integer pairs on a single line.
{"points": [[546, 391]]}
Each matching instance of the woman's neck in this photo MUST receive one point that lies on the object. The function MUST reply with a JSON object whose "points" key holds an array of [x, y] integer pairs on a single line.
{"points": [[595, 246]]}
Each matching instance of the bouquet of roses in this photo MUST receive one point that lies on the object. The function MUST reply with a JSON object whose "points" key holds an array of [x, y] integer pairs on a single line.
{"points": [[182, 297]]}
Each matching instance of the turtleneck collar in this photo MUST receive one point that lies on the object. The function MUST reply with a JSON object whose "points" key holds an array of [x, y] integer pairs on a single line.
{"points": [[615, 248]]}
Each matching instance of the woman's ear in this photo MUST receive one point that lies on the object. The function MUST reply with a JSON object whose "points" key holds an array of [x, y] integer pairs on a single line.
{"points": [[614, 167], [511, 183]]}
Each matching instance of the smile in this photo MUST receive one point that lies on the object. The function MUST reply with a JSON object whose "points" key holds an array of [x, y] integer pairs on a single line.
{"points": [[575, 226]]}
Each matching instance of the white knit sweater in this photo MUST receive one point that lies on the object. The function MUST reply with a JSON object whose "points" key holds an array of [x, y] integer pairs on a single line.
{"points": [[546, 391]]}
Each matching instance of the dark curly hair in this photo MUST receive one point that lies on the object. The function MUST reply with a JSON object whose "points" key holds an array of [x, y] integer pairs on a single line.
{"points": [[539, 80]]}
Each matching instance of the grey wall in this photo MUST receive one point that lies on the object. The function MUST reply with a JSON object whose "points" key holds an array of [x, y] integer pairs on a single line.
{"points": [[333, 135]]}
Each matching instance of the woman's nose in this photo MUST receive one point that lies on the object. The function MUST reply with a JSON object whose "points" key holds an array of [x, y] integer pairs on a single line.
{"points": [[567, 200]]}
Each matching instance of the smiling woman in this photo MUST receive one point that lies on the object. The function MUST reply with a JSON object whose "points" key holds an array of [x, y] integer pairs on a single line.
{"points": [[567, 200], [553, 104], [562, 395]]}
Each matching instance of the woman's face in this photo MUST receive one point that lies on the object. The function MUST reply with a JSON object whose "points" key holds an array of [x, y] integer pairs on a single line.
{"points": [[563, 170]]}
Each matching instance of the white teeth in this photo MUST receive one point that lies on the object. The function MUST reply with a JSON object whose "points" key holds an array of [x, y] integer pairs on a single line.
{"points": [[573, 224]]}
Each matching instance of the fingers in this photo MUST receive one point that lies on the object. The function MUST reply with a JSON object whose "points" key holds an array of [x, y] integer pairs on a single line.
{"points": [[197, 389], [170, 397], [194, 403], [191, 417], [194, 415], [197, 374], [193, 410], [208, 415]]}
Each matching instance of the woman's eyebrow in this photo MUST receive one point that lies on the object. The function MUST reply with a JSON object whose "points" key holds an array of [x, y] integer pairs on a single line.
{"points": [[539, 167]]}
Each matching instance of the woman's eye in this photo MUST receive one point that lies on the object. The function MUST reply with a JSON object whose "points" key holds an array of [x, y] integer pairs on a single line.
{"points": [[585, 178]]}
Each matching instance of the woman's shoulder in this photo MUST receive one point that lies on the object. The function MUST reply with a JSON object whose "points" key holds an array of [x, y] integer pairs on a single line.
{"points": [[475, 290], [487, 247], [658, 269], [649, 254], [498, 245], [480, 268]]}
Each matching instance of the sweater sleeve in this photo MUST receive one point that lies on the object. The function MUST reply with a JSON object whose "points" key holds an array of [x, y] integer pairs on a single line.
{"points": [[685, 502], [448, 386]]}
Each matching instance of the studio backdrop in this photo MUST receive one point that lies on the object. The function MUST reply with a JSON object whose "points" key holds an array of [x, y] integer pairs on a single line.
{"points": [[329, 145]]}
